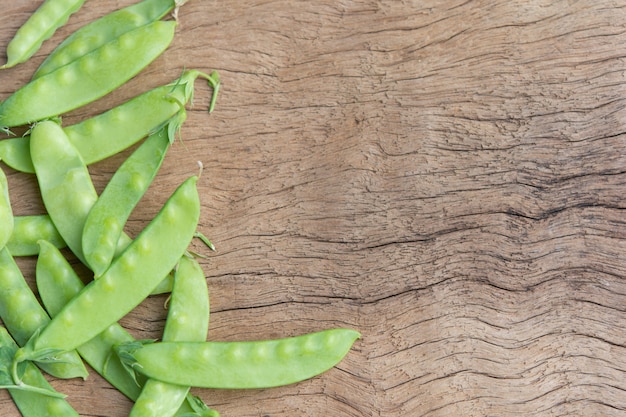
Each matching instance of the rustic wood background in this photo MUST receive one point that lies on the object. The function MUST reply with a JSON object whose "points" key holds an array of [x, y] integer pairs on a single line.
{"points": [[445, 176]]}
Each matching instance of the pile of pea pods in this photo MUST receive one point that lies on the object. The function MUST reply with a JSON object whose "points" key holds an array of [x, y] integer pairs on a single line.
{"points": [[72, 324]]}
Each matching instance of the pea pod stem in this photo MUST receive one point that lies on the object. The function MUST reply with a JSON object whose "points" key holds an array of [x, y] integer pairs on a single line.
{"points": [[30, 382], [197, 408], [205, 240], [179, 4], [22, 386], [215, 83]]}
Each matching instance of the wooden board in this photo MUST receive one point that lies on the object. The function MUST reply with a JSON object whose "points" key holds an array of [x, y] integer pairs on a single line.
{"points": [[446, 176]]}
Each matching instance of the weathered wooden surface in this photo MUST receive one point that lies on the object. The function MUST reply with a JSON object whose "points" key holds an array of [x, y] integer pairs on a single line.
{"points": [[445, 176]]}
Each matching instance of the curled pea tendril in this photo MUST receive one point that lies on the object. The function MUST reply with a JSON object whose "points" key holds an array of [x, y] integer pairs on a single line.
{"points": [[213, 80]]}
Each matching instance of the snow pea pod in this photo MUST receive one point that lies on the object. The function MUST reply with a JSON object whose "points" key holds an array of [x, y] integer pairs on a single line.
{"points": [[88, 78], [126, 283], [6, 213], [28, 230], [15, 152], [58, 283], [106, 219], [105, 29], [65, 184], [35, 397], [66, 188], [239, 365], [23, 316], [118, 128], [187, 320], [111, 132], [41, 25]]}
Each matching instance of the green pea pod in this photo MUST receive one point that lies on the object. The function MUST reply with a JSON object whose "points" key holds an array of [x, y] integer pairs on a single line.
{"points": [[35, 397], [105, 29], [6, 213], [65, 184], [88, 78], [41, 25], [240, 365], [106, 219], [64, 181], [66, 189], [187, 320], [164, 286], [23, 316], [15, 152], [127, 282], [28, 231], [117, 129], [58, 283]]}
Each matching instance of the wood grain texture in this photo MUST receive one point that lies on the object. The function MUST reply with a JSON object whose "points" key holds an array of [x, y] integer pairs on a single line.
{"points": [[446, 176]]}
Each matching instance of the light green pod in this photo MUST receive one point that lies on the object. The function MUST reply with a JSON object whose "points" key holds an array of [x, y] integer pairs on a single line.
{"points": [[117, 129], [120, 127], [64, 181], [106, 219], [65, 184], [58, 283], [67, 191], [187, 321], [241, 365], [15, 152], [188, 315], [41, 25], [88, 78], [105, 29], [28, 231], [23, 316], [6, 213], [35, 398], [127, 282]]}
